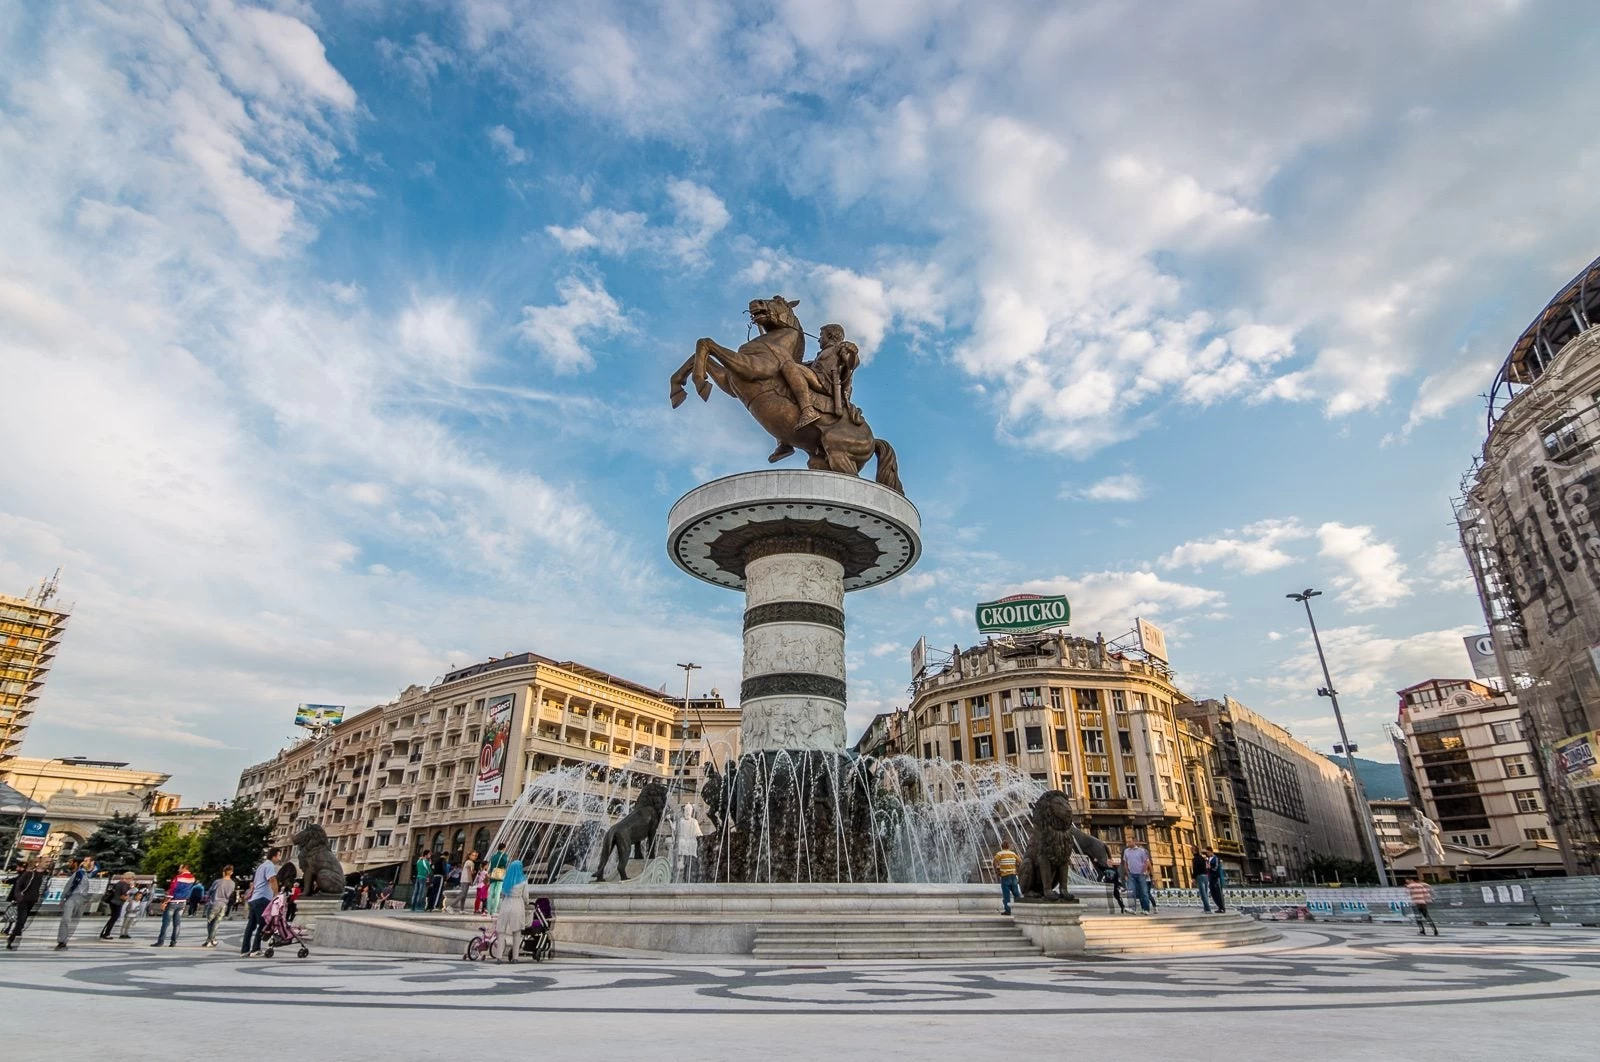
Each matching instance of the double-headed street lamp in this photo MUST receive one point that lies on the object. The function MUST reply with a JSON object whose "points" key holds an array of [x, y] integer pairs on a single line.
{"points": [[1363, 809]]}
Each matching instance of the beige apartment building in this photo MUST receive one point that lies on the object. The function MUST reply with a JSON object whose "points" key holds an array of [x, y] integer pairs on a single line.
{"points": [[1291, 802], [1474, 771], [399, 779], [1079, 717], [30, 631], [79, 795]]}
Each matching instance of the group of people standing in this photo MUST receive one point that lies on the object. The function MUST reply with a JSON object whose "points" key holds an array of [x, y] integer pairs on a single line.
{"points": [[126, 902], [1134, 872], [440, 882]]}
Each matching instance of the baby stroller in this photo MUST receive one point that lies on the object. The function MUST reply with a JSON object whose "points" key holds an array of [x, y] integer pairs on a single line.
{"points": [[278, 932], [538, 940]]}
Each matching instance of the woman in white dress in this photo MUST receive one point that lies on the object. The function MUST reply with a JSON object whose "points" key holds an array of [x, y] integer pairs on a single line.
{"points": [[512, 918]]}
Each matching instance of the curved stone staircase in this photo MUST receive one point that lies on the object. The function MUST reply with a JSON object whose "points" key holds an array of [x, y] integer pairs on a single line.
{"points": [[866, 937], [1170, 933]]}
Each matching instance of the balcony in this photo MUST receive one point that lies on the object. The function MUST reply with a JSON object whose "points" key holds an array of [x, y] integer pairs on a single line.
{"points": [[1109, 805]]}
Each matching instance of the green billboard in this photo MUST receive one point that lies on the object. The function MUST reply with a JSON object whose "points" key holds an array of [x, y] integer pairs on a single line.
{"points": [[1023, 614]]}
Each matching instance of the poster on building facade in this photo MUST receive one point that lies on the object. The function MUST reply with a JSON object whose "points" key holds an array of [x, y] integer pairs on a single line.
{"points": [[492, 753], [1579, 757]]}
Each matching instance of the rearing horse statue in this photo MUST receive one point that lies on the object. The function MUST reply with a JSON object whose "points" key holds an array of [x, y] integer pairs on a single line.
{"points": [[754, 374]]}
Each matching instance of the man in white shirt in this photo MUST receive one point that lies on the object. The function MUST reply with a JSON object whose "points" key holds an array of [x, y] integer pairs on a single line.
{"points": [[263, 887], [1136, 862]]}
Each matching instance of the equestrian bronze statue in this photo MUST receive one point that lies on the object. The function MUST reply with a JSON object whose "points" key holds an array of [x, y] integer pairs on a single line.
{"points": [[803, 405]]}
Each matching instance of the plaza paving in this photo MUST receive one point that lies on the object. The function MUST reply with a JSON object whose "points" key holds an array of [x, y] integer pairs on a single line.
{"points": [[1323, 992]]}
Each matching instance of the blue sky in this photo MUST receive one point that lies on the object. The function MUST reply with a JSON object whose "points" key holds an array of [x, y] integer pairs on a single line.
{"points": [[336, 337]]}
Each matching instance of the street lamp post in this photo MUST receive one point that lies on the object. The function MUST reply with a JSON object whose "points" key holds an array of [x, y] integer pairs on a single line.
{"points": [[1363, 809]]}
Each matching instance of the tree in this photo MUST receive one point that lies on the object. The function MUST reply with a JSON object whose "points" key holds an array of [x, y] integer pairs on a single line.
{"points": [[237, 837], [118, 844], [168, 849]]}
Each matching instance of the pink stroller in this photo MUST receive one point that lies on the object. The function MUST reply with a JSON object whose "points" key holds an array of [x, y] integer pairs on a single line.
{"points": [[278, 932]]}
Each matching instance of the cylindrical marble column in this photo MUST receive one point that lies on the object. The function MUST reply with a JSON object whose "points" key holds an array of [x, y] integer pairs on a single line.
{"points": [[793, 693]]}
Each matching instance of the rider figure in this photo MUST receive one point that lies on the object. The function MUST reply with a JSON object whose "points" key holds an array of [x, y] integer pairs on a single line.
{"points": [[831, 374]]}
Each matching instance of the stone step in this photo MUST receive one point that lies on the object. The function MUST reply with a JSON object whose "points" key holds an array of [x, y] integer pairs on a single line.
{"points": [[926, 950], [885, 939]]}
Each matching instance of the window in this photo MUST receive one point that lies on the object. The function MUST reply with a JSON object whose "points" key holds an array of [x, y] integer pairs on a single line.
{"points": [[1159, 743], [1458, 838], [1119, 701], [927, 750], [1099, 787], [1130, 786], [1029, 697], [383, 838], [1087, 700], [1005, 700], [980, 707], [936, 714], [1094, 742], [1516, 766], [1536, 833], [1034, 738], [1504, 732], [1061, 739], [1125, 742], [1055, 697], [1480, 840], [955, 749], [1011, 742], [444, 802], [983, 747], [1527, 800], [1166, 788], [426, 803]]}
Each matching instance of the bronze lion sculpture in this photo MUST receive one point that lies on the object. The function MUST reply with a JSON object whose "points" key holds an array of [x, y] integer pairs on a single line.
{"points": [[1051, 846], [635, 831], [319, 867]]}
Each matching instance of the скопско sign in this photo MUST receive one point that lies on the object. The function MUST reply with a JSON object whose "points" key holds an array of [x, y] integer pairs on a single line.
{"points": [[1022, 614]]}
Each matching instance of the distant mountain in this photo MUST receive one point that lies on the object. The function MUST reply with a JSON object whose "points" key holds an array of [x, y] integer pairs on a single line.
{"points": [[1382, 781]]}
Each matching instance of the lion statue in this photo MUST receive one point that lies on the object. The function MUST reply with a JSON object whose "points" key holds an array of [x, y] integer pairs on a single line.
{"points": [[320, 869], [634, 831], [1051, 846]]}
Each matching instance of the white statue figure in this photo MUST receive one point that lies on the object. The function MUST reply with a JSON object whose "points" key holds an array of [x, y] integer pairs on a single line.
{"points": [[1428, 842]]}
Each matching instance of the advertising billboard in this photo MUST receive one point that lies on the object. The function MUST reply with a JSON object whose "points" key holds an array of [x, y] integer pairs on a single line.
{"points": [[1480, 650], [34, 834], [1022, 614], [318, 714], [492, 753], [1579, 759], [1152, 639], [919, 658]]}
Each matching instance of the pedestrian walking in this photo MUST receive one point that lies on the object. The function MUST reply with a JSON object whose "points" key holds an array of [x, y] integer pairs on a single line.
{"points": [[1218, 878], [468, 874], [497, 872], [219, 900], [512, 918], [118, 894], [1006, 863], [263, 887], [436, 875], [1202, 877], [1112, 875], [26, 889], [1421, 894], [178, 891], [197, 898], [419, 883], [74, 901], [1136, 862]]}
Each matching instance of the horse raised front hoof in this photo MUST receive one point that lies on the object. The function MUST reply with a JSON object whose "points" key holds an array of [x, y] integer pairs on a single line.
{"points": [[678, 395]]}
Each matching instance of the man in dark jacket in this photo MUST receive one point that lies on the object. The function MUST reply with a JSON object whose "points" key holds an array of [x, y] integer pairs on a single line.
{"points": [[116, 895], [1202, 877], [25, 893], [1217, 880]]}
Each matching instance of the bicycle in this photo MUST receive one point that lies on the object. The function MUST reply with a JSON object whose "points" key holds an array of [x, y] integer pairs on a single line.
{"points": [[483, 944]]}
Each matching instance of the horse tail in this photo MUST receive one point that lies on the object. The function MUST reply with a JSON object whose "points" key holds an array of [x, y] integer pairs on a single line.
{"points": [[888, 466]]}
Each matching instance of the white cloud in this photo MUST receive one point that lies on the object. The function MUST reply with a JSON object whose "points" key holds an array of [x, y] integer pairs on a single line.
{"points": [[886, 649], [1440, 392], [1124, 487], [504, 142], [1109, 601], [1367, 664], [698, 214], [561, 331], [1253, 549], [1373, 575], [418, 62], [1446, 568]]}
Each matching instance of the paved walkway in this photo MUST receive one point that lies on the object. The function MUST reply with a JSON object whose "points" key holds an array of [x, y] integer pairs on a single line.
{"points": [[1323, 993]]}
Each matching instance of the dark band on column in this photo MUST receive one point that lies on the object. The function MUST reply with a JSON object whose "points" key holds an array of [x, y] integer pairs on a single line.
{"points": [[794, 612], [792, 684]]}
